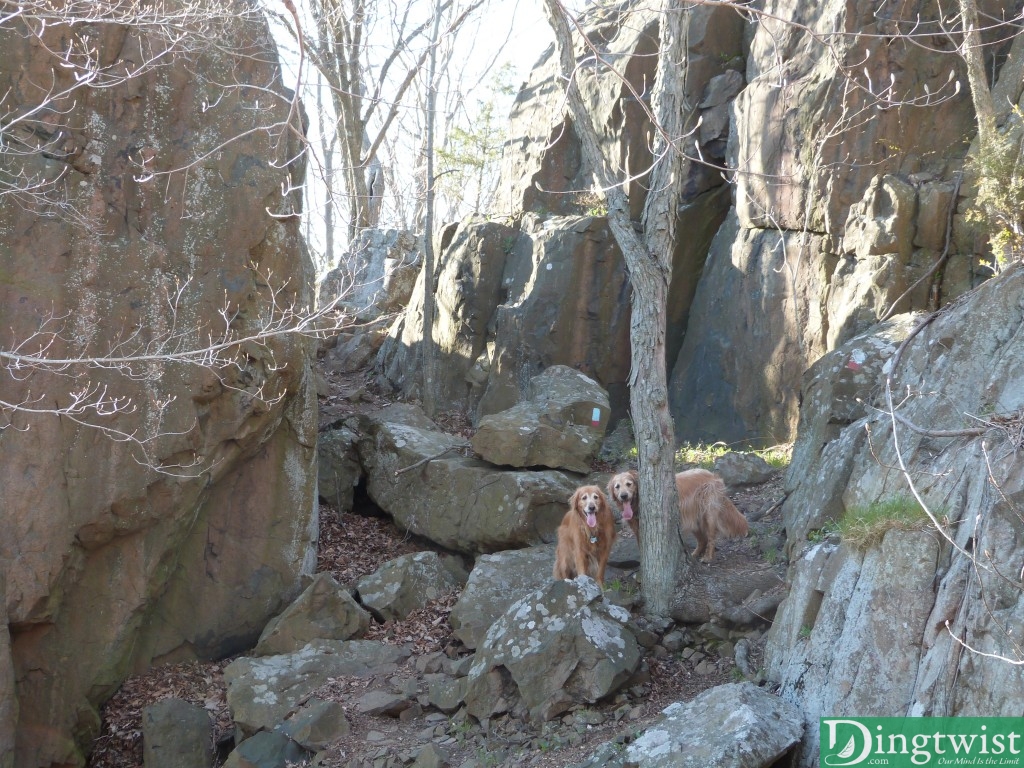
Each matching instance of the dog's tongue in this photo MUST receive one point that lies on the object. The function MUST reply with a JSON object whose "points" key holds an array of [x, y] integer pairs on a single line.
{"points": [[627, 511], [592, 520]]}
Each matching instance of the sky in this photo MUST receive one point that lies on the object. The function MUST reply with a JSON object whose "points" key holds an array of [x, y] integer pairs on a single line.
{"points": [[525, 26]]}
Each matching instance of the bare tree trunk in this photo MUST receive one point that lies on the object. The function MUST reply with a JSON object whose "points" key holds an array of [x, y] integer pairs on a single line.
{"points": [[429, 350], [328, 141], [980, 93], [648, 257]]}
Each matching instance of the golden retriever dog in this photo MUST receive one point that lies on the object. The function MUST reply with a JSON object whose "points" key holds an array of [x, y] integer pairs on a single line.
{"points": [[705, 511], [585, 536]]}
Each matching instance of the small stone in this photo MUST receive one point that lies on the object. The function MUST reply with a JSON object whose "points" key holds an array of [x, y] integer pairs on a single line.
{"points": [[706, 667]]}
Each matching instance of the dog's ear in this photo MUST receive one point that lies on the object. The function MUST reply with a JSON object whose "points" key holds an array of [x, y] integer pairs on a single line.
{"points": [[575, 498]]}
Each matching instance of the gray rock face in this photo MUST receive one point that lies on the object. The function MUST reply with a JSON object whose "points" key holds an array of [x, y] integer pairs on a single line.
{"points": [[852, 636], [837, 392], [374, 275], [736, 376], [564, 302], [415, 473], [496, 582], [543, 170], [559, 646], [512, 302], [866, 633], [176, 734], [731, 726], [563, 295], [324, 611], [561, 424], [470, 263], [354, 350], [262, 691], [409, 582]]}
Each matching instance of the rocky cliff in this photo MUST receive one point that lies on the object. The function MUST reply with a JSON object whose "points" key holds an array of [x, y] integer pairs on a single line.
{"points": [[549, 286], [842, 194], [171, 512], [825, 193], [923, 620]]}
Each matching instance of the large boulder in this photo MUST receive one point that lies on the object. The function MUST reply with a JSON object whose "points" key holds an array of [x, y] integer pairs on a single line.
{"points": [[324, 611], [731, 726], [416, 474], [174, 512], [556, 647], [564, 302], [918, 623], [470, 262], [560, 425], [512, 302], [501, 579], [496, 582], [409, 582]]}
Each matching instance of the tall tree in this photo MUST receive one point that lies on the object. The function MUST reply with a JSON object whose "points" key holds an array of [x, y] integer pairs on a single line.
{"points": [[647, 247], [428, 349]]}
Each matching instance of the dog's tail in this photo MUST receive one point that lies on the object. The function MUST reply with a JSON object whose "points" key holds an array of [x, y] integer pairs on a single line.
{"points": [[718, 508]]}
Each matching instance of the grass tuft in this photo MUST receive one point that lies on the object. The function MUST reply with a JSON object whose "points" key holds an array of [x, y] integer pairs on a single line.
{"points": [[865, 527], [703, 455]]}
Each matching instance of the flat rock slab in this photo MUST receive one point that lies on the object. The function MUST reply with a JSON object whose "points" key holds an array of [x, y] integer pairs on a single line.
{"points": [[262, 691]]}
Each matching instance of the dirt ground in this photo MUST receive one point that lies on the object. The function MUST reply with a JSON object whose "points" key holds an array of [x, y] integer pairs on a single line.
{"points": [[353, 544]]}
